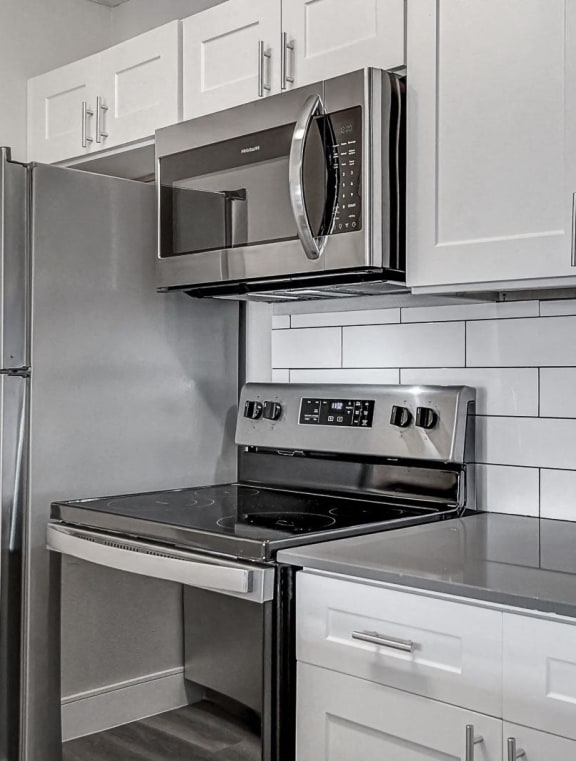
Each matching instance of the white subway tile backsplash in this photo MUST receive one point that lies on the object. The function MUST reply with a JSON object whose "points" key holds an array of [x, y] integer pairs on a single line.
{"points": [[557, 307], [356, 317], [483, 311], [558, 494], [557, 391], [420, 345], [531, 442], [537, 342], [520, 356], [345, 375], [503, 489], [280, 321], [281, 375], [309, 347], [509, 391]]}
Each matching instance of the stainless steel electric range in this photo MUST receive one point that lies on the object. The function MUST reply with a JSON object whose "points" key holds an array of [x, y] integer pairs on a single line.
{"points": [[316, 462]]}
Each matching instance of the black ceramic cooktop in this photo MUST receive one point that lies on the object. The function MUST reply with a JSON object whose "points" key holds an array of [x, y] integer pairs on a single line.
{"points": [[246, 511]]}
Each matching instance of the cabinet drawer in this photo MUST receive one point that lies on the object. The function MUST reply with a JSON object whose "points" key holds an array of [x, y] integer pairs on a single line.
{"points": [[454, 652], [342, 718], [538, 746], [540, 674]]}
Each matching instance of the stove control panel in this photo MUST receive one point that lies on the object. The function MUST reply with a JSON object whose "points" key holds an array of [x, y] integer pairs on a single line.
{"points": [[357, 413], [405, 422]]}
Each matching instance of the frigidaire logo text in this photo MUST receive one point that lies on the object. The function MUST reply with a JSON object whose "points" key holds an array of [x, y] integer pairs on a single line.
{"points": [[251, 149]]}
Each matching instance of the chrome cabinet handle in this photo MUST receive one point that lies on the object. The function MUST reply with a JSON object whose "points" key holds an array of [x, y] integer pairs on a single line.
{"points": [[471, 741], [406, 645], [100, 108], [286, 46], [313, 247], [262, 54], [514, 752], [86, 112]]}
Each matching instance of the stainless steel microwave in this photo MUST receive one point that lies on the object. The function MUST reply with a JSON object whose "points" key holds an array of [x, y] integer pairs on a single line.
{"points": [[293, 195]]}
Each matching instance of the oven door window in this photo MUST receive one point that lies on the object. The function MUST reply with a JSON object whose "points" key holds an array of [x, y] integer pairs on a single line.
{"points": [[236, 193]]}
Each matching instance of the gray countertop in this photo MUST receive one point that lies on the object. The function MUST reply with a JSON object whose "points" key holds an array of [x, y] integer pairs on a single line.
{"points": [[511, 560]]}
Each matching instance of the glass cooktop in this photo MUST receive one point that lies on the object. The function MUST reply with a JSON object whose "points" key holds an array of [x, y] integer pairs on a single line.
{"points": [[234, 510]]}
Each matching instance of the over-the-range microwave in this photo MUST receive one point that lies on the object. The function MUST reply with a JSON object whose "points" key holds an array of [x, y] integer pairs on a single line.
{"points": [[296, 195]]}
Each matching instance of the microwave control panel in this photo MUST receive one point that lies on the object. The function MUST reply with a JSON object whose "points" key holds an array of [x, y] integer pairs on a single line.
{"points": [[347, 163]]}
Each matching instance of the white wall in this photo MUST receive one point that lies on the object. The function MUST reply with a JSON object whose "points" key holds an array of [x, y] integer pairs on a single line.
{"points": [[520, 356], [36, 36], [137, 16]]}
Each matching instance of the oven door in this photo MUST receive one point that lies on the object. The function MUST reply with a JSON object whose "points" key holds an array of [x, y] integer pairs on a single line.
{"points": [[263, 202]]}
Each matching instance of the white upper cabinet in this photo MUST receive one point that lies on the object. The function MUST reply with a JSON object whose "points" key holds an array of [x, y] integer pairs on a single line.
{"points": [[61, 111], [141, 84], [491, 125], [245, 49], [118, 96], [325, 38], [230, 55]]}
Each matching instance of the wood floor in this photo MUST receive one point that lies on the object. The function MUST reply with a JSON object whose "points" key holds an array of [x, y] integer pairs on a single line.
{"points": [[201, 732]]}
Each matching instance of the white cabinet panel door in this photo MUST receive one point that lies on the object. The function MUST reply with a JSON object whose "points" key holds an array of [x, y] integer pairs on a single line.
{"points": [[332, 37], [538, 746], [341, 718], [221, 55], [140, 86], [456, 650], [55, 111], [491, 159], [540, 674]]}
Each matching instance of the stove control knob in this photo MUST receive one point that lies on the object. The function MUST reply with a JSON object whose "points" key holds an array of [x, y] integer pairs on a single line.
{"points": [[426, 417], [272, 410], [401, 417], [253, 410]]}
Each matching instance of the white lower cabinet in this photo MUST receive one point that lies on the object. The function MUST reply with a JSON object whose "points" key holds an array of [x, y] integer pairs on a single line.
{"points": [[342, 718], [539, 668], [537, 746], [398, 675]]}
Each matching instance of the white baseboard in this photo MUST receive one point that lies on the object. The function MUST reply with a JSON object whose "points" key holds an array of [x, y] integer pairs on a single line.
{"points": [[116, 704]]}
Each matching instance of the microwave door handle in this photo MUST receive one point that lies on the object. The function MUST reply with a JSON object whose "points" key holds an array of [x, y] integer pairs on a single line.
{"points": [[313, 247]]}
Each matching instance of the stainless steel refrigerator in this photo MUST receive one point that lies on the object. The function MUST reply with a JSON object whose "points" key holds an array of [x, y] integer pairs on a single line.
{"points": [[106, 387]]}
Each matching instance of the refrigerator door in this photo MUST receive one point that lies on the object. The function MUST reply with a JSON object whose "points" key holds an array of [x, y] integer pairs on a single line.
{"points": [[13, 263], [13, 441], [131, 391]]}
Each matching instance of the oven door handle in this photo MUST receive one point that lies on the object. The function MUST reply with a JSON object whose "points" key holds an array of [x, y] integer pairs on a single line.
{"points": [[159, 562], [313, 247]]}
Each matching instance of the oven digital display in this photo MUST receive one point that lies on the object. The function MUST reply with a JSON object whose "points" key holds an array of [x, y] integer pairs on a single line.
{"points": [[353, 413]]}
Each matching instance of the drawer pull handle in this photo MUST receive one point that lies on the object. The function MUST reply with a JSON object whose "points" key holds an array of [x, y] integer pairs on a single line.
{"points": [[406, 645], [514, 752], [471, 741]]}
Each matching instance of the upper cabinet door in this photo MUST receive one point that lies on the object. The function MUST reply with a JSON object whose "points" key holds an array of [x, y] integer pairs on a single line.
{"points": [[325, 38], [491, 125], [230, 55], [140, 86], [61, 111]]}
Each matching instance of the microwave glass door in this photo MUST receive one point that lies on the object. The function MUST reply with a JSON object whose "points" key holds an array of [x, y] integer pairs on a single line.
{"points": [[236, 193]]}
